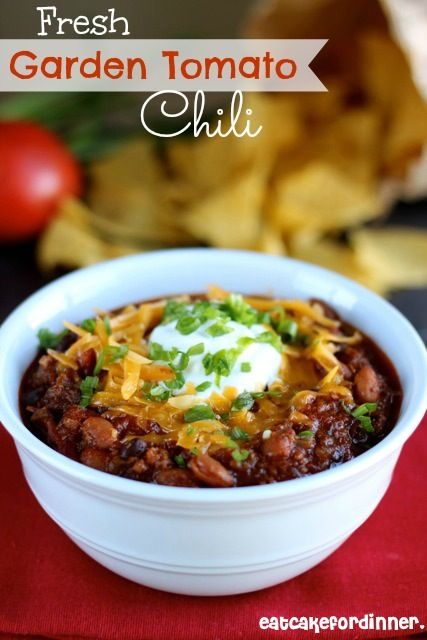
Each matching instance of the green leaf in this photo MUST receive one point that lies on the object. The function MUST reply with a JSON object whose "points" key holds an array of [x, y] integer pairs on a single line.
{"points": [[199, 412], [245, 367]]}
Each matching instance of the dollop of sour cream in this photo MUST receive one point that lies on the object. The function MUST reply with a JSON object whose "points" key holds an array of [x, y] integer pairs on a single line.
{"points": [[256, 367]]}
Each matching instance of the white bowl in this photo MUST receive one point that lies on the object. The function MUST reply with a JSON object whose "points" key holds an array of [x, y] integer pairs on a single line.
{"points": [[207, 541]]}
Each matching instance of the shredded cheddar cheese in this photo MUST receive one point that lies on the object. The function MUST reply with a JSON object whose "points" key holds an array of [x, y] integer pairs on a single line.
{"points": [[133, 381]]}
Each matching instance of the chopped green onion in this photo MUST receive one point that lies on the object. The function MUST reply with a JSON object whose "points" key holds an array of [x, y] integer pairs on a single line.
{"points": [[157, 393], [156, 352], [180, 461], [271, 338], [239, 310], [239, 434], [272, 393], [305, 434], [194, 451], [171, 354], [231, 444], [288, 330], [285, 326], [264, 317], [182, 362], [361, 413], [218, 329], [245, 367], [173, 311], [107, 326], [240, 454], [364, 409], [244, 400], [176, 383], [204, 385], [221, 362], [187, 325], [48, 339], [110, 354], [199, 412], [89, 325], [88, 387], [366, 424], [244, 342], [302, 340], [196, 349], [208, 310]]}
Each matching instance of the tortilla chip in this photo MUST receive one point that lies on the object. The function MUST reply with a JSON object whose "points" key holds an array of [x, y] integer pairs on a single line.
{"points": [[270, 240], [336, 256], [389, 84], [129, 197], [70, 242], [282, 124], [320, 196], [397, 255], [352, 143], [230, 217], [202, 165]]}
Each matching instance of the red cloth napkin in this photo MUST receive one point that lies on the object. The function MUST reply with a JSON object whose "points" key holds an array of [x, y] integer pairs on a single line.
{"points": [[48, 587]]}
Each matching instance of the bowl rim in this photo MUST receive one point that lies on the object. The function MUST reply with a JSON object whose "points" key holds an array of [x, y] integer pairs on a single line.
{"points": [[407, 421]]}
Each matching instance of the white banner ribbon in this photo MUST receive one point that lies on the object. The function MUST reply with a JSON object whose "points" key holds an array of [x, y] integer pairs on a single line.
{"points": [[155, 65]]}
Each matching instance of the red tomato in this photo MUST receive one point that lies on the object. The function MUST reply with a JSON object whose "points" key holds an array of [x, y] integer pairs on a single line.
{"points": [[36, 172]]}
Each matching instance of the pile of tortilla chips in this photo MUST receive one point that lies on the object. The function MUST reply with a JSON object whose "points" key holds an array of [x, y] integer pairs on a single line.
{"points": [[315, 184]]}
